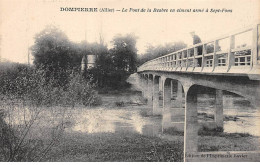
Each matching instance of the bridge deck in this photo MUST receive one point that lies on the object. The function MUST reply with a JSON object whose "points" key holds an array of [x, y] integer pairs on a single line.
{"points": [[235, 54]]}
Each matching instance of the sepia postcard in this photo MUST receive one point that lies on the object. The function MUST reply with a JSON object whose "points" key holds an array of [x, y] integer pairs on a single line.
{"points": [[130, 81]]}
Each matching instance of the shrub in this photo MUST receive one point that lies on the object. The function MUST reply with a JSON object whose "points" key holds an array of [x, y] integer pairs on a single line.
{"points": [[18, 141], [173, 131], [28, 88], [35, 86], [205, 131], [120, 103], [80, 90]]}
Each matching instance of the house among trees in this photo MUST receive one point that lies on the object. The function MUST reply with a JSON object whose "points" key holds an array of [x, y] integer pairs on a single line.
{"points": [[88, 61]]}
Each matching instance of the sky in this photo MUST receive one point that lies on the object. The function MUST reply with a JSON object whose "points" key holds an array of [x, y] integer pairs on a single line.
{"points": [[20, 20]]}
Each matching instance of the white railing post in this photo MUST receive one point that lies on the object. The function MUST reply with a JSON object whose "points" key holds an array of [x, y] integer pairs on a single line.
{"points": [[204, 51], [255, 42], [230, 58], [195, 61], [215, 57]]}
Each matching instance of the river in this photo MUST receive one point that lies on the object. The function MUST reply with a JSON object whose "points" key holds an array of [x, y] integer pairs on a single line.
{"points": [[240, 115]]}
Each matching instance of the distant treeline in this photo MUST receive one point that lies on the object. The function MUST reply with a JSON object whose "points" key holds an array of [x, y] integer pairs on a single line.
{"points": [[153, 52]]}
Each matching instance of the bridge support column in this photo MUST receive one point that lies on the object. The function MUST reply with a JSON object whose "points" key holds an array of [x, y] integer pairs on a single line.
{"points": [[179, 95], [176, 87], [150, 94], [166, 118], [156, 108], [141, 83], [219, 108], [177, 112], [191, 121], [145, 86]]}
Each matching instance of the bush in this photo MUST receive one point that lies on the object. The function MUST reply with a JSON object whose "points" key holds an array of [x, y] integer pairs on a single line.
{"points": [[120, 103], [173, 131], [35, 86], [82, 91], [26, 89], [205, 131], [27, 141]]}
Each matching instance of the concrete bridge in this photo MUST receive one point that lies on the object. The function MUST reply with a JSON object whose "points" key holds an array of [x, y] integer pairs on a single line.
{"points": [[229, 63]]}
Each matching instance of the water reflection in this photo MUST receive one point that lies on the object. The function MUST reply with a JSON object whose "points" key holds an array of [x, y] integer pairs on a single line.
{"points": [[129, 119], [119, 120]]}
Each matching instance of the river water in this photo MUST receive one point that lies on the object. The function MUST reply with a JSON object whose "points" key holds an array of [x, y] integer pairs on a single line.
{"points": [[240, 115]]}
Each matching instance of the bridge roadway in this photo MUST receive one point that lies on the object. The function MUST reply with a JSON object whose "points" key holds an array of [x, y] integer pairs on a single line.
{"points": [[223, 64]]}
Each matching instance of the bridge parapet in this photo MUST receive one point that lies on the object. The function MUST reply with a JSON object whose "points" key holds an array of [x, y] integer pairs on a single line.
{"points": [[233, 54]]}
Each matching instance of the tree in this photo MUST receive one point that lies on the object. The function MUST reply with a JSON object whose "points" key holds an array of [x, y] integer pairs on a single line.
{"points": [[124, 53], [103, 63], [51, 52], [113, 66], [78, 50], [51, 48]]}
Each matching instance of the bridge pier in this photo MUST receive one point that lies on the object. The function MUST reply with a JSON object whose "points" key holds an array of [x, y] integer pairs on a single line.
{"points": [[177, 111], [177, 88], [191, 125], [172, 117], [156, 107], [149, 95], [143, 85], [191, 117], [179, 95], [218, 117], [166, 114]]}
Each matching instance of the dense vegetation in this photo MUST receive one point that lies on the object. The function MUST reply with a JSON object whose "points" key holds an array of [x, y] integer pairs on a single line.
{"points": [[56, 54], [35, 86]]}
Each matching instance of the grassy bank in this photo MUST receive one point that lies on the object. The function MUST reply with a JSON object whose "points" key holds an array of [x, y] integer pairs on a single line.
{"points": [[115, 147], [233, 142], [217, 140]]}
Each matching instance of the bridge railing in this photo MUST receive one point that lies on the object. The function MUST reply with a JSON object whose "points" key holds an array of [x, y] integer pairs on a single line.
{"points": [[233, 53]]}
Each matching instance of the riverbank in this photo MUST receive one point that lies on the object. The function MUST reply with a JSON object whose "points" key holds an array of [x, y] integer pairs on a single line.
{"points": [[115, 147]]}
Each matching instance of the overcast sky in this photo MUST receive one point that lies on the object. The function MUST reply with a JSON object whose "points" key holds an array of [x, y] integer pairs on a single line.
{"points": [[21, 20]]}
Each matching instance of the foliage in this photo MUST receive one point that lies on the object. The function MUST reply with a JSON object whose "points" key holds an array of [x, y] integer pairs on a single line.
{"points": [[30, 85], [115, 65], [173, 131], [25, 89], [81, 90], [10, 74], [19, 134], [218, 131], [124, 53], [51, 52], [78, 50], [55, 54]]}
